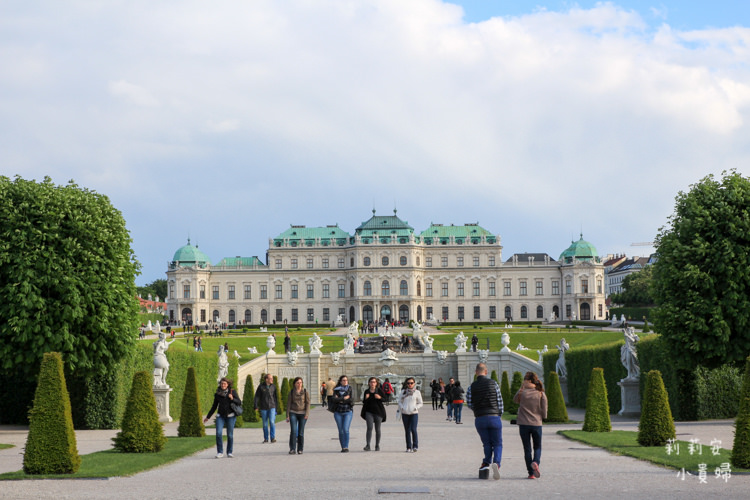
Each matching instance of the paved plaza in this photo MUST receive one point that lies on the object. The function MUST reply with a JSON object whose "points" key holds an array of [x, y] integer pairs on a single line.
{"points": [[445, 466]]}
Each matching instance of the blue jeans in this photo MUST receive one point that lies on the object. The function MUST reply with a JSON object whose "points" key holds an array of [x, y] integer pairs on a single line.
{"points": [[457, 407], [529, 433], [410, 429], [297, 433], [343, 421], [450, 409], [220, 423], [490, 430], [269, 423]]}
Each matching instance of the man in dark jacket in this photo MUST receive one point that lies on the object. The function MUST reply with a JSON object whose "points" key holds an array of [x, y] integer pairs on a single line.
{"points": [[268, 404], [484, 398]]}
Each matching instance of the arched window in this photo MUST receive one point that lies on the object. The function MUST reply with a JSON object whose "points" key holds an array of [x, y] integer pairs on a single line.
{"points": [[367, 261], [385, 261], [508, 313], [404, 288], [231, 316], [367, 313], [539, 312], [419, 291], [368, 288], [248, 316], [524, 312], [402, 261], [385, 289], [585, 311], [215, 315], [264, 316]]}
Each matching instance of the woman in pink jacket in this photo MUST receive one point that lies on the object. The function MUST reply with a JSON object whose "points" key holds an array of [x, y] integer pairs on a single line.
{"points": [[532, 409]]}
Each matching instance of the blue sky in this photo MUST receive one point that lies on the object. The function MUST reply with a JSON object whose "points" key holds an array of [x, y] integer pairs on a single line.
{"points": [[228, 121]]}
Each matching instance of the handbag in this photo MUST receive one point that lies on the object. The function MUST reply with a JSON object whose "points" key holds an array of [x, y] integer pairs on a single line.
{"points": [[236, 406]]}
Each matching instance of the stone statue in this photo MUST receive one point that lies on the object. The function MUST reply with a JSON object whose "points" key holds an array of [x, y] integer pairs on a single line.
{"points": [[315, 343], [299, 349], [442, 356], [552, 317], [541, 353], [460, 342], [236, 354], [505, 340], [335, 358], [427, 340], [161, 365], [253, 350], [560, 368], [484, 354], [521, 347], [628, 354], [339, 320], [416, 328], [223, 364], [291, 357], [388, 357], [353, 329], [349, 343], [271, 343]]}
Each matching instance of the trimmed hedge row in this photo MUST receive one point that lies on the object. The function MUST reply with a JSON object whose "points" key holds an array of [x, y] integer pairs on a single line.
{"points": [[581, 360], [632, 313]]}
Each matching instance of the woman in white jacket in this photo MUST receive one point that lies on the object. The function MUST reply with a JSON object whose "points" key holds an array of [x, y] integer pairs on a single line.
{"points": [[409, 403]]}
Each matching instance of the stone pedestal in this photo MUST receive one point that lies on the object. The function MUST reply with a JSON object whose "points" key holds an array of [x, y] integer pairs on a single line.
{"points": [[564, 387], [631, 398], [161, 394]]}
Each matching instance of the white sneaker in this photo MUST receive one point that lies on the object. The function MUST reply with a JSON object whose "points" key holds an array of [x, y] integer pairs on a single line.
{"points": [[495, 471], [229, 455], [219, 455]]}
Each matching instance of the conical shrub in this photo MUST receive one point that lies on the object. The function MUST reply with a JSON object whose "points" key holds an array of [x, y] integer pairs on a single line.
{"points": [[51, 442], [280, 408], [656, 425], [515, 385], [285, 390], [597, 406], [741, 447], [141, 431], [248, 401], [556, 410], [191, 418], [493, 376], [505, 392]]}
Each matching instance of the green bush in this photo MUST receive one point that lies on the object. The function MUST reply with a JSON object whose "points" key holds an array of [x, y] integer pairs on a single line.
{"points": [[191, 417], [741, 446], [505, 391], [248, 401], [597, 407], [281, 401], [656, 425], [285, 390], [515, 385], [581, 360], [632, 312], [141, 430], [716, 392], [493, 376], [556, 410], [51, 442]]}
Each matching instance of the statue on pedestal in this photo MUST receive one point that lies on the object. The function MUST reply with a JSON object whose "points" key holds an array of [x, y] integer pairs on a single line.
{"points": [[161, 364], [271, 343], [315, 343], [560, 368], [460, 342], [223, 364], [628, 354]]}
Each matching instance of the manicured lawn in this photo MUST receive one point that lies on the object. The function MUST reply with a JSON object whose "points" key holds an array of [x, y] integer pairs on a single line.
{"points": [[625, 443], [111, 463]]}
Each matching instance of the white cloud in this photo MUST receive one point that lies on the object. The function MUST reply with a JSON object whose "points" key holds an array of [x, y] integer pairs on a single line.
{"points": [[134, 93]]}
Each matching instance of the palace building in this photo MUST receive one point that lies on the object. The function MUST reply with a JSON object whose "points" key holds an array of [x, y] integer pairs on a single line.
{"points": [[386, 270]]}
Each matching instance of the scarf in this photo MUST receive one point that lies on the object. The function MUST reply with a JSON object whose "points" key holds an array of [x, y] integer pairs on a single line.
{"points": [[408, 392], [222, 393]]}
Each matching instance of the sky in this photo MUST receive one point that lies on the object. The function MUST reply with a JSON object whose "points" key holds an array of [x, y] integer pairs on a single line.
{"points": [[225, 122]]}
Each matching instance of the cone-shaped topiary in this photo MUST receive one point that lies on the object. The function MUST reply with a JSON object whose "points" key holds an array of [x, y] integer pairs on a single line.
{"points": [[51, 442], [191, 418], [281, 401], [597, 406], [515, 385], [141, 430], [285, 390], [741, 447], [505, 391], [248, 400], [556, 410], [493, 376], [656, 425]]}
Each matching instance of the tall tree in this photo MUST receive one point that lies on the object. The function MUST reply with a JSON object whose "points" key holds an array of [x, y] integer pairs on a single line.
{"points": [[67, 275], [637, 289], [702, 276]]}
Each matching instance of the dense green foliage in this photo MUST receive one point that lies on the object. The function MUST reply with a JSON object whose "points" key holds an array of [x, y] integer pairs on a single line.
{"points": [[141, 430], [505, 391], [741, 446], [702, 277], [493, 376], [66, 278], [581, 360], [282, 403], [51, 442], [633, 313], [515, 385], [636, 290], [556, 410], [285, 389], [656, 425], [157, 288], [250, 414], [191, 417], [597, 408]]}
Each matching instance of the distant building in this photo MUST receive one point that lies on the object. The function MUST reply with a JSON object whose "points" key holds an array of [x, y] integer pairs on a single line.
{"points": [[385, 270], [624, 266], [152, 305]]}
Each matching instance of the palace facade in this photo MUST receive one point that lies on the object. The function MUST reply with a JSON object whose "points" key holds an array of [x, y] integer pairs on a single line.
{"points": [[386, 270]]}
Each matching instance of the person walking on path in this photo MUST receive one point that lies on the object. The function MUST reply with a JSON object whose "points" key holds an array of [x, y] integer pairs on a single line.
{"points": [[484, 398], [474, 342], [388, 391], [225, 417], [287, 342], [442, 392], [457, 400], [297, 411], [532, 409], [343, 405], [435, 394], [373, 411], [268, 404], [409, 403], [323, 395], [448, 400]]}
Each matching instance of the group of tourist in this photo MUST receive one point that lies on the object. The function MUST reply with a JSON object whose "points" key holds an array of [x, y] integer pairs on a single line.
{"points": [[483, 397]]}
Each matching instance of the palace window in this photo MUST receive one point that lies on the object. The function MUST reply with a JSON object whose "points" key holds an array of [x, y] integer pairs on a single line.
{"points": [[203, 291], [506, 288], [215, 292], [384, 260], [475, 289], [264, 294], [310, 315], [460, 289], [493, 312], [428, 261], [567, 287], [444, 261], [279, 315], [309, 263], [555, 287], [404, 288], [310, 293], [445, 313], [476, 261], [248, 292], [523, 288], [295, 291], [492, 261], [295, 315], [428, 289], [326, 291], [444, 289], [368, 288], [185, 291], [278, 263], [341, 262], [342, 290], [460, 262], [294, 263], [325, 262], [419, 288], [476, 312], [539, 312], [460, 313], [540, 288], [326, 314], [367, 261], [385, 289], [279, 291], [492, 288], [524, 312], [402, 261], [584, 286]]}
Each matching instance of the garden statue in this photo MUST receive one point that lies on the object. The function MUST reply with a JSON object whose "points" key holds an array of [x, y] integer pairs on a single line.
{"points": [[560, 368], [505, 340], [427, 341], [161, 364], [628, 354], [460, 342], [349, 343], [291, 357], [442, 356], [223, 364], [335, 358], [315, 344], [271, 343]]}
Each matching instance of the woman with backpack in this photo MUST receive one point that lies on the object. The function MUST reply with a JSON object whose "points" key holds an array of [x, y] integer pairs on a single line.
{"points": [[388, 391]]}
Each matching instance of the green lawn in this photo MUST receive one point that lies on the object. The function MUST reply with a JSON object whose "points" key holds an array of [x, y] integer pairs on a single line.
{"points": [[111, 463], [4, 446], [625, 443]]}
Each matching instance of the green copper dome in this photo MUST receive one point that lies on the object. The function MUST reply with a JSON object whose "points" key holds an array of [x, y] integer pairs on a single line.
{"points": [[190, 255], [581, 250]]}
